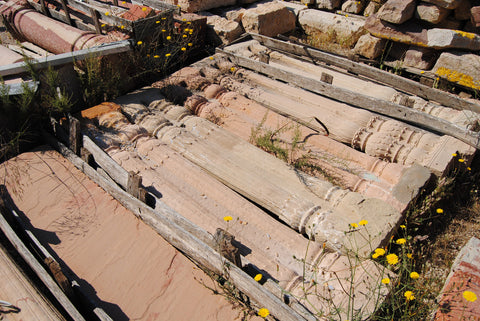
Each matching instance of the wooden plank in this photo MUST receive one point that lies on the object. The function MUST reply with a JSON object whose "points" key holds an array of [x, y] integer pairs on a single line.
{"points": [[95, 17], [68, 57], [62, 17], [67, 12], [40, 271], [43, 7], [113, 169], [75, 138], [104, 16], [183, 240], [398, 82], [363, 101], [158, 5]]}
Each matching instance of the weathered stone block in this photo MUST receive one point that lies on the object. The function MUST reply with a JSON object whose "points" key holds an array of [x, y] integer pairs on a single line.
{"points": [[307, 2], [370, 46], [448, 4], [352, 6], [459, 67], [462, 12], [397, 11], [226, 30], [371, 8], [137, 12], [269, 19], [431, 13], [420, 57], [328, 4], [235, 14], [196, 6], [475, 16], [294, 7]]}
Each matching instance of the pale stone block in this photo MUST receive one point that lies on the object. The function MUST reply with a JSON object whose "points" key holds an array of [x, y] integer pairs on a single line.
{"points": [[459, 67], [420, 57], [445, 38], [397, 11], [328, 4], [352, 6], [226, 30], [196, 6], [294, 7], [370, 46], [475, 16], [235, 14], [448, 4], [431, 13], [269, 19], [371, 8]]}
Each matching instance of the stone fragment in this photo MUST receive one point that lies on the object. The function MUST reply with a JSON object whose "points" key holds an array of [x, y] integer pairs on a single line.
{"points": [[397, 11], [328, 4], [352, 6], [412, 33], [459, 67], [420, 57], [475, 16], [269, 19], [8, 56], [196, 6], [369, 46], [341, 29], [431, 13], [294, 7], [307, 2], [447, 4], [235, 15], [226, 30], [371, 8], [136, 12], [462, 12]]}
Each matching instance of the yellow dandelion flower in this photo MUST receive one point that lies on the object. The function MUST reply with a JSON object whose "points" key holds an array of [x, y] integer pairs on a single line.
{"points": [[403, 226], [461, 160], [122, 27], [189, 22], [469, 169], [469, 296], [232, 69], [353, 225], [164, 18], [410, 255], [414, 275], [439, 210], [168, 55], [392, 259], [148, 56], [191, 31], [422, 72], [139, 42], [363, 222], [169, 37], [227, 218], [184, 19], [211, 58], [375, 256], [379, 251], [401, 241], [107, 13], [183, 48], [190, 44], [163, 30], [179, 6], [454, 154], [123, 2], [144, 8], [409, 295], [184, 36], [385, 280], [258, 277], [156, 56], [158, 21], [263, 312], [103, 25], [346, 15]]}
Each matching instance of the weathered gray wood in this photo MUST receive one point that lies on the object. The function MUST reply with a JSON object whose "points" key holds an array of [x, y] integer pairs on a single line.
{"points": [[134, 186], [363, 101], [224, 245], [183, 240], [110, 19], [327, 78], [67, 11], [44, 7], [158, 5], [96, 22], [407, 85], [39, 270], [62, 17], [113, 169], [75, 138], [68, 57]]}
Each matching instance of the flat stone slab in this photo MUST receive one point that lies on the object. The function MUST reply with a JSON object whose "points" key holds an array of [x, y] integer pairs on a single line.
{"points": [[459, 67], [269, 19], [397, 11], [412, 33], [455, 303]]}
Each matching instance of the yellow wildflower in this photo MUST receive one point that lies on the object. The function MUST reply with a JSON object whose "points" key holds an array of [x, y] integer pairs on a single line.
{"points": [[163, 30], [107, 13], [469, 296], [123, 2], [169, 37], [385, 280], [144, 8], [439, 210], [103, 25], [184, 19], [183, 48], [354, 225], [379, 251], [158, 21], [454, 154], [346, 15], [211, 58], [409, 295], [363, 222], [469, 169], [232, 69], [401, 241], [422, 72], [461, 160], [414, 275], [190, 44], [189, 22], [403, 226], [263, 312], [258, 277], [392, 259], [122, 27], [156, 56], [191, 31], [227, 218], [164, 18], [139, 42], [184, 36], [410, 255], [375, 256], [168, 55]]}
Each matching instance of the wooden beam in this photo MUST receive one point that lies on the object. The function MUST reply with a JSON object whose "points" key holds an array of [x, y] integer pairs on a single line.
{"points": [[75, 138], [198, 251], [62, 17], [96, 22], [358, 100], [39, 270], [404, 84], [67, 11], [68, 57], [104, 16]]}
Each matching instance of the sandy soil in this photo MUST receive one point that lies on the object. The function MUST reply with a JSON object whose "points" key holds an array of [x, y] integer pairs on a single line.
{"points": [[135, 274]]}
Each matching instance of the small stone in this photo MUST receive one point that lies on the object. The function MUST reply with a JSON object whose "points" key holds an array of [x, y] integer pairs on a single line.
{"points": [[420, 57], [475, 16], [328, 4], [226, 30], [397, 11], [352, 6], [447, 4], [459, 67], [371, 8], [235, 15], [308, 2], [369, 46], [269, 19], [431, 13]]}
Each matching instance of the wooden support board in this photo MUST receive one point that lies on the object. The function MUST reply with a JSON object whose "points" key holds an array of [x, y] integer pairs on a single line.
{"points": [[69, 57], [358, 100], [184, 240], [62, 17], [398, 82]]}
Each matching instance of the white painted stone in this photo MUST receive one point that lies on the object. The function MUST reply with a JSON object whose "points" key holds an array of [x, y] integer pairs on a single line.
{"points": [[397, 11], [269, 19], [445, 38], [370, 46], [431, 13]]}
